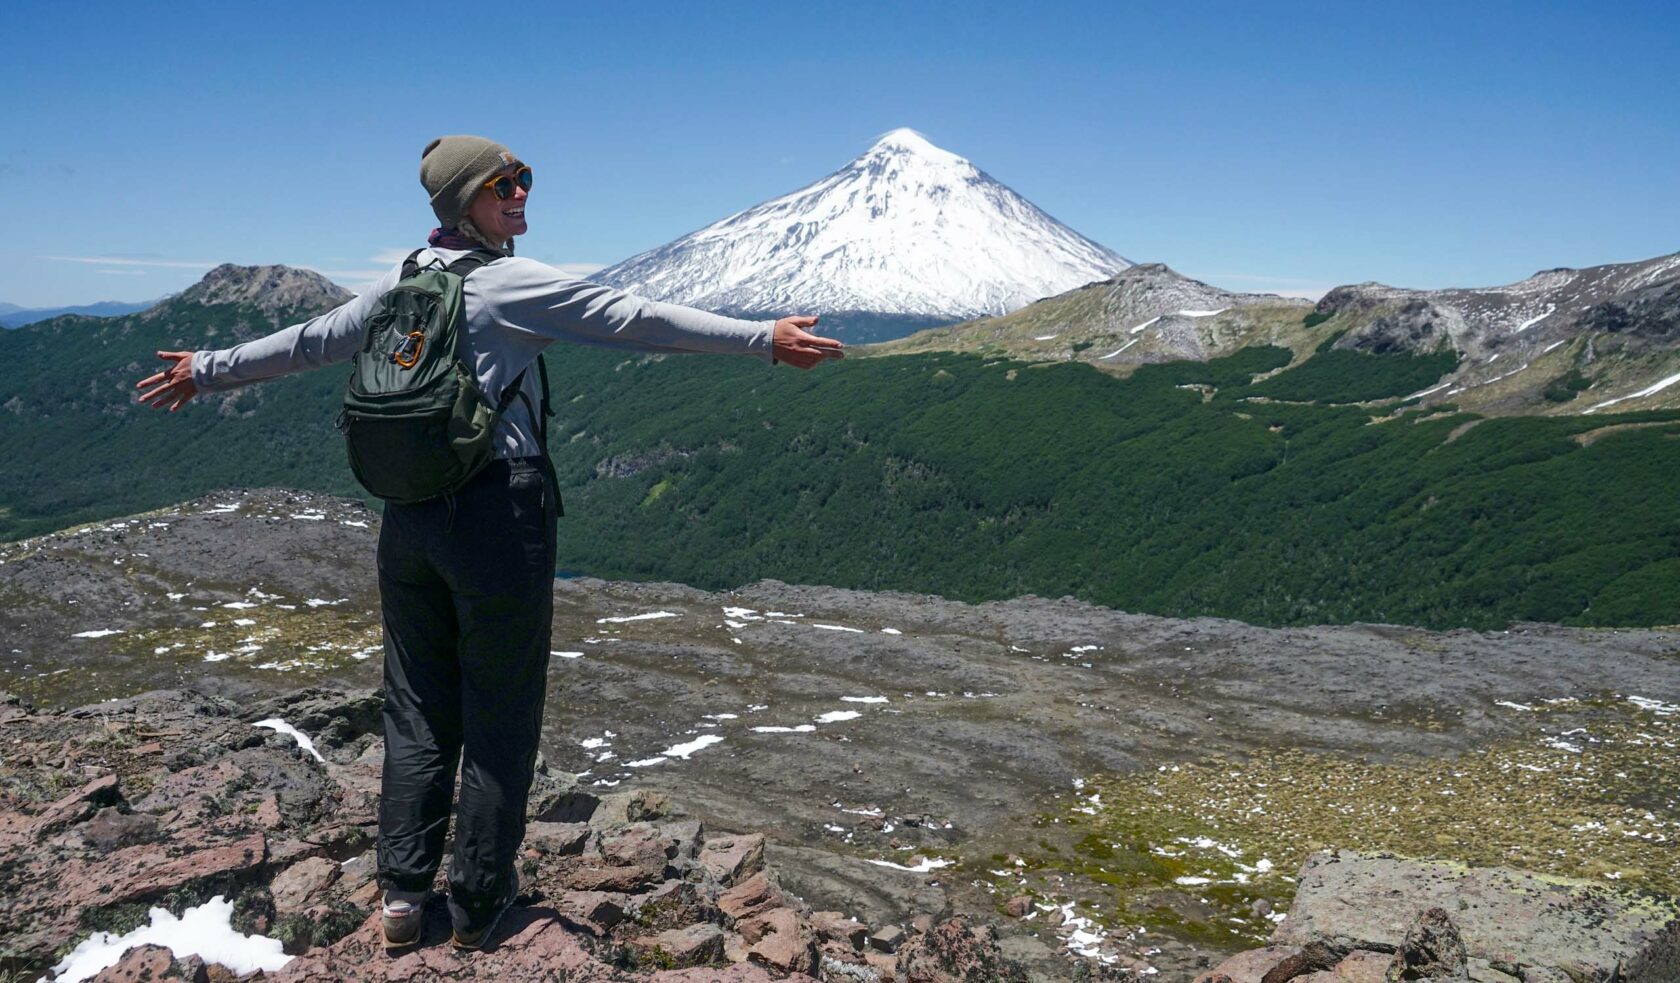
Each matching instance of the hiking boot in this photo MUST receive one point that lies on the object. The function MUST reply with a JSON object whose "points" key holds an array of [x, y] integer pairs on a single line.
{"points": [[462, 937], [403, 916]]}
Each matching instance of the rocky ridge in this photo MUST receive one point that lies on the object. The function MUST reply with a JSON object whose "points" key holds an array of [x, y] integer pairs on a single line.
{"points": [[1614, 325], [170, 798]]}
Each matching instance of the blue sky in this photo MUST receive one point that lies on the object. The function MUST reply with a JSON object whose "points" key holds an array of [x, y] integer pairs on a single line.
{"points": [[1280, 146]]}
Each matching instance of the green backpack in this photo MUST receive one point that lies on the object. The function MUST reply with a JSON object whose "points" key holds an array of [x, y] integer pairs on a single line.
{"points": [[416, 421]]}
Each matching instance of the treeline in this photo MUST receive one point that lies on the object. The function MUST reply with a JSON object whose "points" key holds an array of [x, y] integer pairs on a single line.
{"points": [[1171, 492]]}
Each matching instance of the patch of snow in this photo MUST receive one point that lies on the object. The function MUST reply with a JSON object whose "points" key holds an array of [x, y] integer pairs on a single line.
{"points": [[566, 655], [1044, 337], [1202, 313], [1641, 394], [97, 633], [316, 602], [280, 726], [357, 523], [1553, 345], [684, 750], [205, 931], [927, 864], [1146, 324], [863, 699], [1120, 349], [239, 605], [836, 628], [836, 716], [1531, 322], [647, 762], [891, 631], [650, 616], [801, 729]]}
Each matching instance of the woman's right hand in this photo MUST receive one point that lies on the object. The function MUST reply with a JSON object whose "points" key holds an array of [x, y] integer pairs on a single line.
{"points": [[174, 384]]}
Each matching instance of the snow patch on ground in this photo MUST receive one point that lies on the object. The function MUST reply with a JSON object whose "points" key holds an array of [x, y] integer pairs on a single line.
{"points": [[97, 633], [303, 741], [205, 931], [637, 617], [836, 716]]}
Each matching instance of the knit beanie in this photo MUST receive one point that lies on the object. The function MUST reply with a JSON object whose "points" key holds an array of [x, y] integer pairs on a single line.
{"points": [[452, 169]]}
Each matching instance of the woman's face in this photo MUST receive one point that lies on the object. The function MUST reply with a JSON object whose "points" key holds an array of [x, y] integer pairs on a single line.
{"points": [[499, 220]]}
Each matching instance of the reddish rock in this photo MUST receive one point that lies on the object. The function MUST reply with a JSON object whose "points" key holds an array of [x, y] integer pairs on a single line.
{"points": [[141, 964], [268, 813], [301, 883], [598, 911], [755, 927], [837, 927], [557, 839], [78, 805], [1250, 966], [694, 945], [749, 897], [887, 938], [730, 858], [921, 924], [148, 871], [583, 875], [785, 946], [956, 952], [885, 965], [1364, 966], [1019, 906]]}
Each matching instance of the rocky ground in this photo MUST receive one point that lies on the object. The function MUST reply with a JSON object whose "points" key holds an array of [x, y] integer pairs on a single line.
{"points": [[1067, 773]]}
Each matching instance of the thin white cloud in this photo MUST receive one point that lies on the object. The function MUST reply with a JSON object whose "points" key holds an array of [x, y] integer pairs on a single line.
{"points": [[129, 272], [134, 261]]}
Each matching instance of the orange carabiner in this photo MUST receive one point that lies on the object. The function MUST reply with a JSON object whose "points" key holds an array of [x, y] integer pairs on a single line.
{"points": [[408, 353]]}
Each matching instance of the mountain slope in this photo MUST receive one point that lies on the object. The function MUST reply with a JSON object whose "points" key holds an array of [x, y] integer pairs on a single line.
{"points": [[75, 446], [906, 231], [1569, 341]]}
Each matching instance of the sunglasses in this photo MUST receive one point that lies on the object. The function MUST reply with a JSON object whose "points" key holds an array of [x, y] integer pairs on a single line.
{"points": [[502, 185]]}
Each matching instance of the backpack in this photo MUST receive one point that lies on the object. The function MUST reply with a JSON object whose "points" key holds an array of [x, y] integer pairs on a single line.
{"points": [[416, 422]]}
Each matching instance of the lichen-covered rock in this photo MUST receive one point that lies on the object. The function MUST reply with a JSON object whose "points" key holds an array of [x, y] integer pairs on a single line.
{"points": [[955, 951], [1506, 916]]}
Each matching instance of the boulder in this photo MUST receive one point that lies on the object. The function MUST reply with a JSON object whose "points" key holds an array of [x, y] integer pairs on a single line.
{"points": [[749, 897], [557, 839], [78, 805], [1505, 916], [954, 951], [141, 964], [694, 945], [887, 938], [837, 927], [1251, 966], [730, 858]]}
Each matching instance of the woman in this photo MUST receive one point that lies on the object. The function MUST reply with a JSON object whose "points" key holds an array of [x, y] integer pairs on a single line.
{"points": [[466, 585]]}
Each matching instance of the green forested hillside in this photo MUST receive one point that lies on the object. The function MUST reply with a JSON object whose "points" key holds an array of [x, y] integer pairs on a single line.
{"points": [[1170, 492]]}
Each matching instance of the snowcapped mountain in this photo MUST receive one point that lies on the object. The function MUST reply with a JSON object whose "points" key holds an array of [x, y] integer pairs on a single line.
{"points": [[907, 231]]}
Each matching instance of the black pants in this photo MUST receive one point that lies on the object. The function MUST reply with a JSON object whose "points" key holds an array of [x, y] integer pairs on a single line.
{"points": [[466, 588]]}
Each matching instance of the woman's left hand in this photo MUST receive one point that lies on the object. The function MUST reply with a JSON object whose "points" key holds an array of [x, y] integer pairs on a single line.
{"points": [[799, 348], [175, 386]]}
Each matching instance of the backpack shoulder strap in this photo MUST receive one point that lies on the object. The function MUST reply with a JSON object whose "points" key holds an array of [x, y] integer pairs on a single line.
{"points": [[411, 265], [472, 261]]}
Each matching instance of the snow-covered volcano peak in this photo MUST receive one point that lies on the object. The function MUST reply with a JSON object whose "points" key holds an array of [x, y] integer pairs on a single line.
{"points": [[907, 141], [905, 230]]}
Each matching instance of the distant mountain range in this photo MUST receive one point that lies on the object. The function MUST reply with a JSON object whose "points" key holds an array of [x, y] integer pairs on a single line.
{"points": [[905, 236], [1560, 341], [13, 316]]}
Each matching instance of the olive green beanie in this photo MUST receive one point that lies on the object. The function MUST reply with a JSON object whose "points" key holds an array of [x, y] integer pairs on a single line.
{"points": [[452, 169]]}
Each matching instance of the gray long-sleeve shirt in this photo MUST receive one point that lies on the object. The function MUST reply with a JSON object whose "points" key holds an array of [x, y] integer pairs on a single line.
{"points": [[513, 308]]}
